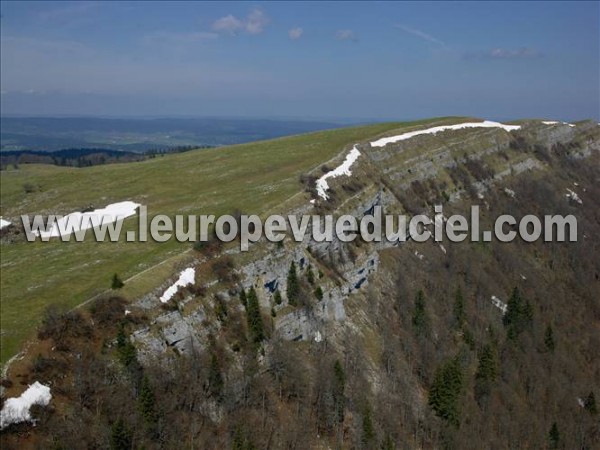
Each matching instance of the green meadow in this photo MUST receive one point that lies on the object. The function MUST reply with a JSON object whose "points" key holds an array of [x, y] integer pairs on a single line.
{"points": [[254, 178]]}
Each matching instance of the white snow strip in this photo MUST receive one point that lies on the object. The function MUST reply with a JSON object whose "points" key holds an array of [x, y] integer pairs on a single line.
{"points": [[499, 304], [554, 122], [419, 255], [573, 196], [442, 248], [434, 130], [318, 336], [3, 223], [16, 409], [71, 223], [127, 312], [342, 169], [186, 277], [580, 402], [523, 277]]}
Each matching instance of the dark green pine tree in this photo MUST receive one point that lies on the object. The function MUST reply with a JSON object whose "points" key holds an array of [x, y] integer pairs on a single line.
{"points": [[147, 402], [554, 436], [487, 371], [125, 349], [549, 339], [319, 293], [368, 430], [590, 404], [277, 297], [446, 390], [339, 386], [120, 436], [459, 309], [293, 287], [254, 317], [420, 320], [519, 315], [117, 283]]}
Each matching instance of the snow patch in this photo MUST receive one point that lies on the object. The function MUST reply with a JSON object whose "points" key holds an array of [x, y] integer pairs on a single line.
{"points": [[17, 409], [419, 255], [509, 192], [318, 336], [554, 122], [186, 277], [434, 130], [342, 169], [71, 223], [127, 312], [573, 196], [442, 248], [3, 223], [499, 304]]}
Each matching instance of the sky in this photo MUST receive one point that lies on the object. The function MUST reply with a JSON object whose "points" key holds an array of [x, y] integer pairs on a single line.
{"points": [[313, 60]]}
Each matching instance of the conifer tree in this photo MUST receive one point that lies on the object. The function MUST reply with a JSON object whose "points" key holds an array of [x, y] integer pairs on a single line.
{"points": [[339, 385], [445, 392], [254, 317], [147, 402], [117, 283], [549, 339], [319, 293], [519, 315], [277, 297], [120, 436], [368, 430], [420, 320], [554, 436], [590, 404], [459, 308], [293, 287], [487, 371]]}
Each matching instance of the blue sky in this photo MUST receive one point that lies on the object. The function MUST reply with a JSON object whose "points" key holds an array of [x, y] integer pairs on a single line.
{"points": [[328, 60]]}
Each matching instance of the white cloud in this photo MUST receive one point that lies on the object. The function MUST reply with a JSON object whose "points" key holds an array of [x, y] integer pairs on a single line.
{"points": [[295, 33], [228, 24], [254, 23], [346, 35], [420, 34]]}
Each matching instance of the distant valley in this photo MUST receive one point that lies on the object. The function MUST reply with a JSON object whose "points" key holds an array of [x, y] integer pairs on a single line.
{"points": [[142, 135]]}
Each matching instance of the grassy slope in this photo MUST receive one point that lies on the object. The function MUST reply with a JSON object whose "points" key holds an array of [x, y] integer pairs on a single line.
{"points": [[253, 177]]}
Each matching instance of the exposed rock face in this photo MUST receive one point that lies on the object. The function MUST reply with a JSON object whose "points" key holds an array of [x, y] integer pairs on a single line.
{"points": [[348, 266]]}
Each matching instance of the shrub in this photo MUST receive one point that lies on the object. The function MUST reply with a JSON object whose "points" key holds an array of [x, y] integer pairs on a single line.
{"points": [[117, 283]]}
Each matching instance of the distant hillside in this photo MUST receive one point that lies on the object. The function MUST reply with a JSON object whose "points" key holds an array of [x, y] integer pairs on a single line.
{"points": [[140, 135]]}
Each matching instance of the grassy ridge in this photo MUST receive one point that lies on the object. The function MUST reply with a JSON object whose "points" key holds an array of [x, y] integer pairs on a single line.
{"points": [[253, 177]]}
